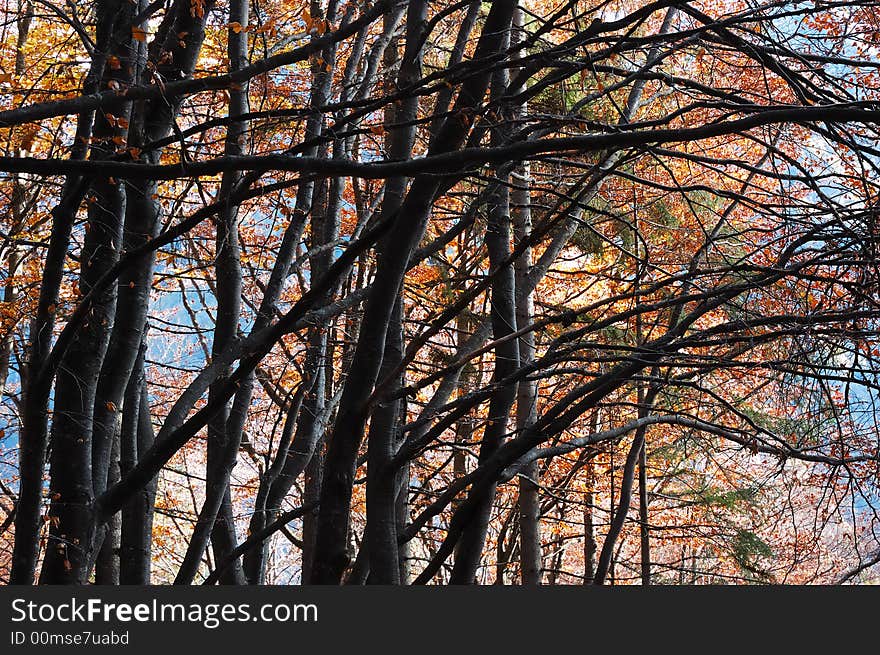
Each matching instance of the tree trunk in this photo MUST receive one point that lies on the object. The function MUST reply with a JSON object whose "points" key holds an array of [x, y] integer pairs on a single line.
{"points": [[107, 568], [382, 487], [70, 550], [331, 557], [136, 437], [644, 528], [215, 519], [504, 320], [36, 385]]}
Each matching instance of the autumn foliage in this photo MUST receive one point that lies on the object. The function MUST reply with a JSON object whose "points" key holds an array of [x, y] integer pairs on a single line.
{"points": [[416, 292]]}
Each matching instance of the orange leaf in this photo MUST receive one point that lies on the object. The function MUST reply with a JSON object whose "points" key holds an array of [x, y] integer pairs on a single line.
{"points": [[27, 139], [138, 34]]}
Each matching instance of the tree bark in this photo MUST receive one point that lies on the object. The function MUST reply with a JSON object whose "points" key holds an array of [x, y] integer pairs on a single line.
{"points": [[504, 321], [527, 390], [331, 557], [70, 550], [382, 510], [36, 386], [215, 519], [136, 437]]}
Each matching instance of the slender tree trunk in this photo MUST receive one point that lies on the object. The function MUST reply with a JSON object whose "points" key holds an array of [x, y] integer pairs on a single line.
{"points": [[589, 528], [107, 568], [603, 567], [644, 528], [228, 426], [331, 557], [36, 385], [70, 551], [504, 321], [527, 390], [291, 463], [404, 554], [381, 530], [215, 518], [132, 303], [382, 485], [314, 479], [17, 200], [136, 437]]}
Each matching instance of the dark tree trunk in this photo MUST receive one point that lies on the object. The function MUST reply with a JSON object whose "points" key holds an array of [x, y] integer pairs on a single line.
{"points": [[527, 390], [504, 321], [107, 568], [313, 481], [618, 518], [382, 488], [215, 519], [36, 385], [644, 528], [331, 556], [589, 528], [136, 437], [290, 463], [17, 199], [70, 549]]}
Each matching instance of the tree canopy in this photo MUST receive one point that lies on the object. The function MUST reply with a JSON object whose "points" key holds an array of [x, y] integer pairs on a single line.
{"points": [[419, 292]]}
